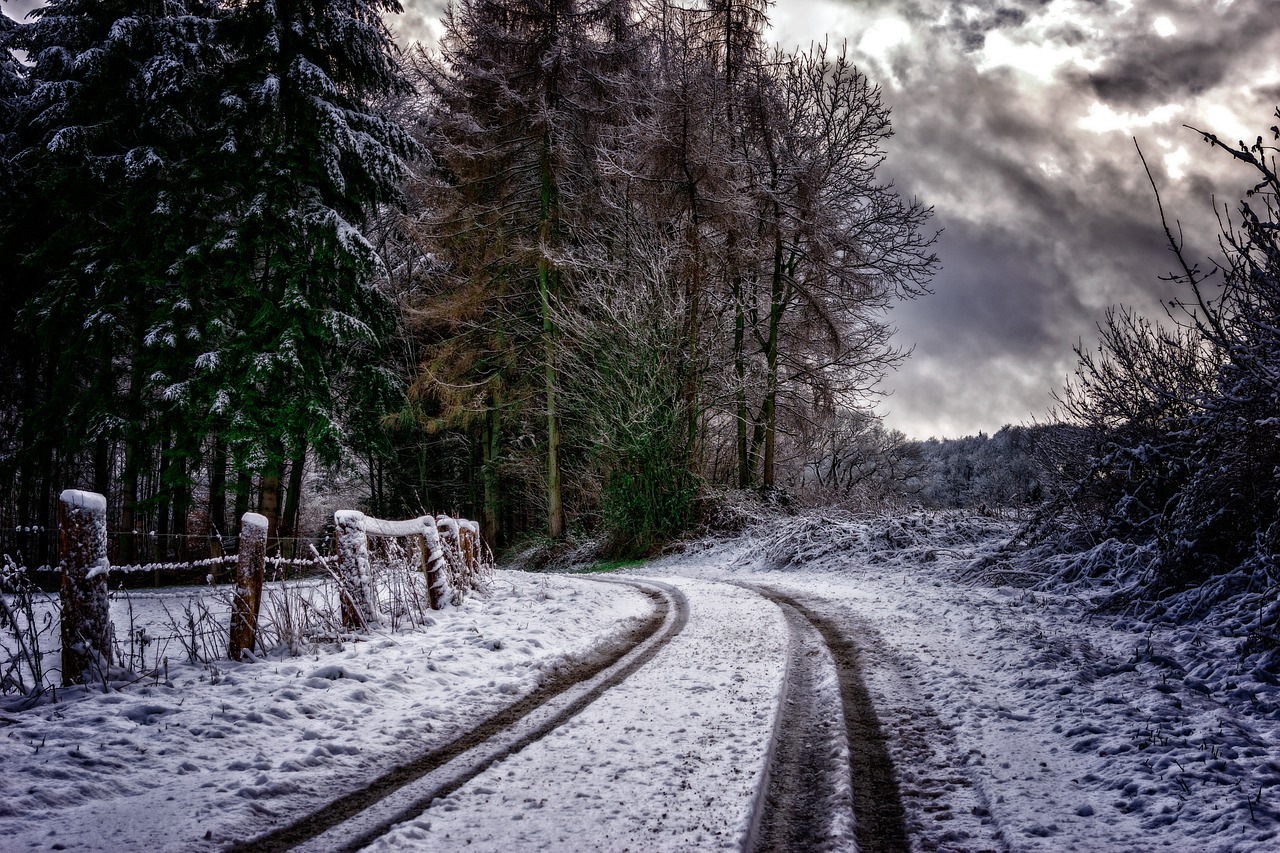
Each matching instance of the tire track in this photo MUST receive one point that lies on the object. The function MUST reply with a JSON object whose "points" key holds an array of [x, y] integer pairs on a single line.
{"points": [[354, 820], [946, 804], [805, 804], [879, 825]]}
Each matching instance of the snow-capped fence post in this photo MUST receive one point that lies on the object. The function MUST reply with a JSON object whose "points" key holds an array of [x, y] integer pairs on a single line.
{"points": [[469, 544], [355, 575], [451, 564], [251, 568], [433, 564], [86, 612]]}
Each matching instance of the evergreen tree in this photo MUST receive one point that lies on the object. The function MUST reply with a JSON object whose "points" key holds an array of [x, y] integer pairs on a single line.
{"points": [[15, 346], [304, 156], [13, 88], [113, 126]]}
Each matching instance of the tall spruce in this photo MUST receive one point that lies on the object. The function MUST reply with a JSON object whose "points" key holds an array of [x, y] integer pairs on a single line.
{"points": [[112, 128], [303, 157], [16, 347]]}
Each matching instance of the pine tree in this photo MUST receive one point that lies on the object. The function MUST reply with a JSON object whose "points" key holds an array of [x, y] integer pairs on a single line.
{"points": [[112, 125], [13, 89], [15, 345], [304, 157]]}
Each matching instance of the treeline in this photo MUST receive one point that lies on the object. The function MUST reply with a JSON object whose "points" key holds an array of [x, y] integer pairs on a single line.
{"points": [[1011, 469], [576, 264]]}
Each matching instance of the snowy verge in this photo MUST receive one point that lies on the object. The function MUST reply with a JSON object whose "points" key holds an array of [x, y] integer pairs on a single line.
{"points": [[222, 749]]}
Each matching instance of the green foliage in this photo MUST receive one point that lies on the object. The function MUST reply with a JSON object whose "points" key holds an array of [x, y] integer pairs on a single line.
{"points": [[622, 351], [648, 503]]}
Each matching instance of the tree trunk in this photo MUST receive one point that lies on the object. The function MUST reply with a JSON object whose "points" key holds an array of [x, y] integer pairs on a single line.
{"points": [[269, 501], [217, 496], [102, 445], [769, 414], [491, 436], [293, 498], [244, 489], [182, 505], [102, 466], [694, 296], [547, 286], [162, 506], [555, 505], [740, 371], [134, 454], [129, 502]]}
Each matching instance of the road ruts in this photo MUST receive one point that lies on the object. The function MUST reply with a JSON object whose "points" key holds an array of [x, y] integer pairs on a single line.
{"points": [[796, 780], [351, 822]]}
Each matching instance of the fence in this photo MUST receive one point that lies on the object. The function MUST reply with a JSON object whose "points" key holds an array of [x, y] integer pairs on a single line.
{"points": [[450, 554]]}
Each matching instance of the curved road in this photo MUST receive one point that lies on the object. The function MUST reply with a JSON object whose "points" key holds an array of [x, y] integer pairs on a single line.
{"points": [[352, 821], [829, 783]]}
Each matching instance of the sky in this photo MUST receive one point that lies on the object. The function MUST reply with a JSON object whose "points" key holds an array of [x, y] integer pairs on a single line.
{"points": [[1016, 121]]}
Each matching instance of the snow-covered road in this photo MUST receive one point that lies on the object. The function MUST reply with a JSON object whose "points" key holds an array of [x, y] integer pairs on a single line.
{"points": [[1015, 721]]}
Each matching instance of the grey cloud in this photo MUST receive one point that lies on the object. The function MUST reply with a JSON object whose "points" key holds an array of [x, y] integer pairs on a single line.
{"points": [[1148, 70], [418, 20], [1047, 224]]}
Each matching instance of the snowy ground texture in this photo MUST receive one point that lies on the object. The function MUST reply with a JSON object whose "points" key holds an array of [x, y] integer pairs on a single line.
{"points": [[1018, 720]]}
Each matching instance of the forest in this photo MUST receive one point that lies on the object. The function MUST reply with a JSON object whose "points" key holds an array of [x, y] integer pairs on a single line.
{"points": [[588, 267], [568, 269]]}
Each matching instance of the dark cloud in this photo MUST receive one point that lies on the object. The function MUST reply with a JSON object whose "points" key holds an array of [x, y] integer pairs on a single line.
{"points": [[1015, 120], [1146, 70]]}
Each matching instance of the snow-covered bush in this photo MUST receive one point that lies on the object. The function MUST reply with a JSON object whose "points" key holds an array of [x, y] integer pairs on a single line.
{"points": [[1179, 487], [27, 625]]}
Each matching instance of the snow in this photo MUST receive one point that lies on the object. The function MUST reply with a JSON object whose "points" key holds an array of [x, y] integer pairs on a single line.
{"points": [[230, 748], [673, 755], [90, 502], [254, 522], [1018, 719], [1025, 719]]}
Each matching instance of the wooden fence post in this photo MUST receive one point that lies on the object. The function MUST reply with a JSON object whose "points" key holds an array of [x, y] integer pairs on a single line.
{"points": [[469, 544], [86, 613], [433, 565], [251, 568], [355, 575]]}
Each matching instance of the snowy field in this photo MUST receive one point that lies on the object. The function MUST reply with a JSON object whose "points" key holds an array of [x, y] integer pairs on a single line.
{"points": [[1018, 720], [1021, 720]]}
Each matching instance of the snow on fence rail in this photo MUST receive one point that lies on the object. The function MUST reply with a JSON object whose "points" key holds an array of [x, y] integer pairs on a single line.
{"points": [[451, 554], [452, 557]]}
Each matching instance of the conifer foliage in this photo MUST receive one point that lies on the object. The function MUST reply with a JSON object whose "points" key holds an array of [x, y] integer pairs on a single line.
{"points": [[195, 180]]}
